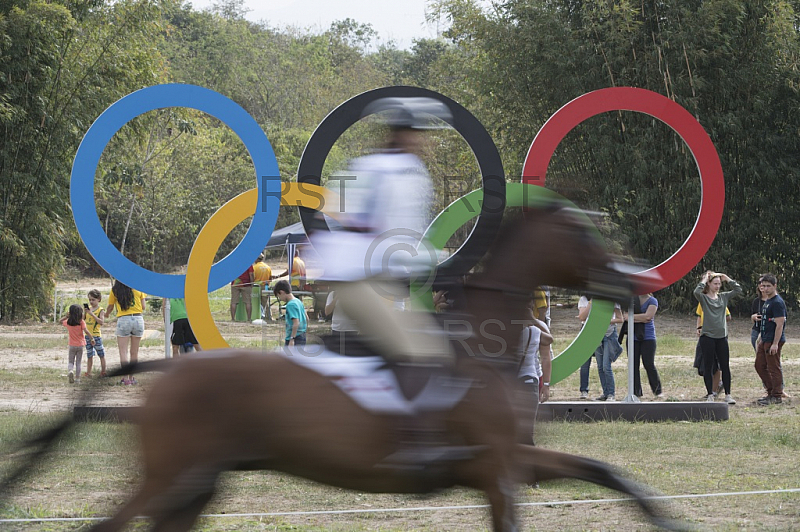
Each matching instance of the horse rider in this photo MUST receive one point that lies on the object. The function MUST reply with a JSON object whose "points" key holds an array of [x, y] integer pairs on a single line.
{"points": [[387, 201]]}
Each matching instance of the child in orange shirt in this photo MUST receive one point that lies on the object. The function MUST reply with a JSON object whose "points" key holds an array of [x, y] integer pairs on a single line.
{"points": [[76, 327]]}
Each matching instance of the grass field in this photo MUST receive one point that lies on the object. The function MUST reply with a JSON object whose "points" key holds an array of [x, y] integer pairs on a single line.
{"points": [[95, 469]]}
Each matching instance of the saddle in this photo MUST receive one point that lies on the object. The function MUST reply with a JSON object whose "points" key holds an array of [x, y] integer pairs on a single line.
{"points": [[378, 386], [415, 398]]}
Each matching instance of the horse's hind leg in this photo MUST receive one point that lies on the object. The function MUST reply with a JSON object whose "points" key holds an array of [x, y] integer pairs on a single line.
{"points": [[540, 465], [500, 490]]}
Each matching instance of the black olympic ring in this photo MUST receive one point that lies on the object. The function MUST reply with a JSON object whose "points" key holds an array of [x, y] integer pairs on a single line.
{"points": [[470, 129]]}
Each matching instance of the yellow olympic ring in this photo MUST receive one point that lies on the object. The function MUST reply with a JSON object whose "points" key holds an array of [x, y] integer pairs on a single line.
{"points": [[214, 233]]}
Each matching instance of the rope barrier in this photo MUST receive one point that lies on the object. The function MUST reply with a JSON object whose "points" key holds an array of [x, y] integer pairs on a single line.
{"points": [[428, 508]]}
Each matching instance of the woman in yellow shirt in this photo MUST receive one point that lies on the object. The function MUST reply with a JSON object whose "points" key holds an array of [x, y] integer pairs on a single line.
{"points": [[129, 305]]}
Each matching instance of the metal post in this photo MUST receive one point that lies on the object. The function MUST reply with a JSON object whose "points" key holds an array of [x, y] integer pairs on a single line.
{"points": [[167, 330], [631, 397], [55, 305]]}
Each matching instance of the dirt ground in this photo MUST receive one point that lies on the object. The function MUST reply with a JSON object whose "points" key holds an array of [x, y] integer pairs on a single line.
{"points": [[37, 352], [19, 351], [29, 346]]}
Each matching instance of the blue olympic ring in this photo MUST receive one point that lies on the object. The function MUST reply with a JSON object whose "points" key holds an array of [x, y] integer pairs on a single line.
{"points": [[157, 97]]}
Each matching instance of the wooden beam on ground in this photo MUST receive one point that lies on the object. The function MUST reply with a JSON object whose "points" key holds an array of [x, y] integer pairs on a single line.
{"points": [[655, 411], [549, 411]]}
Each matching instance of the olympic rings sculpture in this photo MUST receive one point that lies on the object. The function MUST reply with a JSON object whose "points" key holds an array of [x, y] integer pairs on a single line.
{"points": [[117, 115], [202, 276], [685, 125]]}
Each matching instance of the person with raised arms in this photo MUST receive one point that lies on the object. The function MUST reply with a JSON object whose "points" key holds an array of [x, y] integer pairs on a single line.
{"points": [[714, 336]]}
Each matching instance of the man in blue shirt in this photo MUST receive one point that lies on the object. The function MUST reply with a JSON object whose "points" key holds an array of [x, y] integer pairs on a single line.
{"points": [[296, 319], [768, 353]]}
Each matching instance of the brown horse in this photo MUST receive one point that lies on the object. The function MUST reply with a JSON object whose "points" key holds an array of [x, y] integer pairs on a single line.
{"points": [[233, 409]]}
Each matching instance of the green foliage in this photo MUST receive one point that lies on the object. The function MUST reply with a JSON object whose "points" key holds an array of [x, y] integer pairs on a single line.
{"points": [[731, 63], [187, 166], [60, 65], [166, 172]]}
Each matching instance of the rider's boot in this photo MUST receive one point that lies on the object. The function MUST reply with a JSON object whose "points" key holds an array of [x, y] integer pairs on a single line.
{"points": [[421, 443], [421, 440]]}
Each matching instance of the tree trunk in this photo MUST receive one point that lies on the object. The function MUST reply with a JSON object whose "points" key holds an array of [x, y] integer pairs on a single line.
{"points": [[127, 225]]}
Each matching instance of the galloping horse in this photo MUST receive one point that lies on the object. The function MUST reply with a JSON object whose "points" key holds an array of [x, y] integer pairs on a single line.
{"points": [[234, 409]]}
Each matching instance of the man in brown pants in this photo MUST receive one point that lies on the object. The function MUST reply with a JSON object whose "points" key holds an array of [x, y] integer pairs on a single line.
{"points": [[768, 352]]}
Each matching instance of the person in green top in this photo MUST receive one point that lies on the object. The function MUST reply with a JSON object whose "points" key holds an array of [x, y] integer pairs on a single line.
{"points": [[714, 335], [698, 352], [182, 334]]}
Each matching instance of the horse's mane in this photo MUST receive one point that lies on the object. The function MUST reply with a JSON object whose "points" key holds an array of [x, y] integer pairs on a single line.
{"points": [[496, 302], [533, 248]]}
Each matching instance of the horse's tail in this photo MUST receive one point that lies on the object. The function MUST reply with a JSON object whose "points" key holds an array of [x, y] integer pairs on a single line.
{"points": [[541, 464], [37, 447]]}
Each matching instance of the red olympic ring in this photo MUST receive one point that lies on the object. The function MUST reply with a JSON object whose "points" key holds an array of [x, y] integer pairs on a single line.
{"points": [[685, 125]]}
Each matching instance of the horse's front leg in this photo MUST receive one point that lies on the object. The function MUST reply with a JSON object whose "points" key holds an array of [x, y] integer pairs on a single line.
{"points": [[502, 498], [150, 489]]}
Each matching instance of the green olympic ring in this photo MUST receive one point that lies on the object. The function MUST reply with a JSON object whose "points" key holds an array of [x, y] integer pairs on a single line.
{"points": [[523, 195]]}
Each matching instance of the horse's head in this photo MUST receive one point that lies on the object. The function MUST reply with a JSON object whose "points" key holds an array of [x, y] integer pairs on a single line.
{"points": [[556, 246], [552, 245]]}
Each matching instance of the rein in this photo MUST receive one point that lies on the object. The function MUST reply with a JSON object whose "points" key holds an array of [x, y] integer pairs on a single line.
{"points": [[505, 289]]}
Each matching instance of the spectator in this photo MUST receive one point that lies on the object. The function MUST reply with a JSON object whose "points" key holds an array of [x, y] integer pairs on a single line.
{"points": [[716, 384], [342, 326], [129, 305], [714, 334], [182, 334], [296, 319], [644, 349], [606, 354], [541, 306], [298, 272], [547, 299], [755, 314], [262, 275], [756, 330], [76, 327], [94, 316], [535, 367], [768, 354], [583, 313], [241, 288]]}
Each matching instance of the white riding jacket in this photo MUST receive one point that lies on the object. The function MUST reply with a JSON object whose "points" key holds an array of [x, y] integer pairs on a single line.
{"points": [[386, 205]]}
